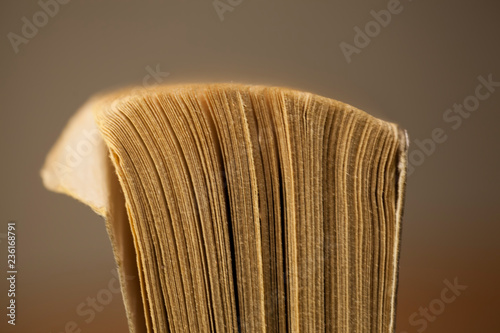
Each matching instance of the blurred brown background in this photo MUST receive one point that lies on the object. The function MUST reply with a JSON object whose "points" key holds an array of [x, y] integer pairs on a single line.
{"points": [[425, 60]]}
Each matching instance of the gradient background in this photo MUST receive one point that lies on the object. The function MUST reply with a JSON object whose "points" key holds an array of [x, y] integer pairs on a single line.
{"points": [[424, 61]]}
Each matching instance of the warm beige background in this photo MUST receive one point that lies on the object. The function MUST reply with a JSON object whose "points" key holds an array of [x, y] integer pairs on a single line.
{"points": [[424, 61]]}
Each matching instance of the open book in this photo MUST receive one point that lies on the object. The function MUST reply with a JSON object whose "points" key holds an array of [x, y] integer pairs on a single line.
{"points": [[241, 208]]}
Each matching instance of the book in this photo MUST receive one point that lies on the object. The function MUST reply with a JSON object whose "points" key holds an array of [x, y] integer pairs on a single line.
{"points": [[240, 208]]}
